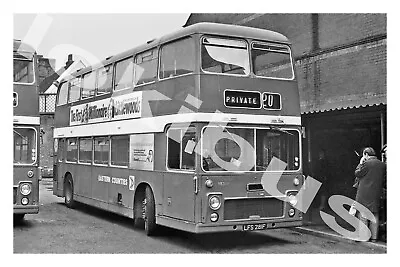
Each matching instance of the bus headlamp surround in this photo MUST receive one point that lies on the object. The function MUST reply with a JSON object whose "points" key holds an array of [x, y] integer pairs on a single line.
{"points": [[30, 174], [25, 189], [214, 202]]}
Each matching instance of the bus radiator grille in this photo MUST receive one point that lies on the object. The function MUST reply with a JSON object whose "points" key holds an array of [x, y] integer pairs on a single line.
{"points": [[236, 209]]}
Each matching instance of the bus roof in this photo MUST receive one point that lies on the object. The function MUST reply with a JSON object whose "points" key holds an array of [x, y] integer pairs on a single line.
{"points": [[203, 28]]}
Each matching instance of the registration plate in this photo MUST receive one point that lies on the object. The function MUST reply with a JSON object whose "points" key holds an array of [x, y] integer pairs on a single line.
{"points": [[254, 227]]}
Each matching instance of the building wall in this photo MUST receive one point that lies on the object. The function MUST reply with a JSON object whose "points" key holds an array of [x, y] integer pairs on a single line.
{"points": [[46, 140], [340, 58]]}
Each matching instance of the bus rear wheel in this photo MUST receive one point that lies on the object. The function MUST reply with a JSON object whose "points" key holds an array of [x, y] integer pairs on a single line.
{"points": [[69, 193], [149, 213]]}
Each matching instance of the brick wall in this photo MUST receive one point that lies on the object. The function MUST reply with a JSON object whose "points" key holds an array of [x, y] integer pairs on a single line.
{"points": [[341, 58]]}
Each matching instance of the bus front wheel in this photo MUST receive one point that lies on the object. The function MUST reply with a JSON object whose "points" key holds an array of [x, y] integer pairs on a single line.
{"points": [[69, 193], [149, 213]]}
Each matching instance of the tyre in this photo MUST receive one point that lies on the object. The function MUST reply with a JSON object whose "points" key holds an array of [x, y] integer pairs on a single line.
{"points": [[138, 210], [69, 193], [149, 213], [19, 217]]}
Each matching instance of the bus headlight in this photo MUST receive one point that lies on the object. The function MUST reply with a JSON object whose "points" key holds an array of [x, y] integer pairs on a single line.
{"points": [[292, 200], [296, 181], [24, 201], [215, 202], [25, 189], [30, 174], [209, 183], [214, 217]]}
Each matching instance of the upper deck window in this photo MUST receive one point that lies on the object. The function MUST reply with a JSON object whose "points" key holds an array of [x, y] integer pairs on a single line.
{"points": [[123, 74], [23, 71], [272, 61], [104, 81], [225, 56], [74, 90], [177, 58], [63, 94], [145, 67], [88, 85]]}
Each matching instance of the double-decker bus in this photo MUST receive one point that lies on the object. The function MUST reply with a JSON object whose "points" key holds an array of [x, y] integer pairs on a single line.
{"points": [[26, 124], [181, 131]]}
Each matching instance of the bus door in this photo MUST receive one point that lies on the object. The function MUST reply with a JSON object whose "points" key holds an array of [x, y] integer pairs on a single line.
{"points": [[179, 194]]}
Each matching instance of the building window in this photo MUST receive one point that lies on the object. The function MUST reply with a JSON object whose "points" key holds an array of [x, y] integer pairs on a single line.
{"points": [[85, 150], [177, 58], [123, 74], [74, 90], [88, 85], [120, 150], [180, 149], [145, 67], [63, 94], [104, 80], [72, 150], [101, 150]]}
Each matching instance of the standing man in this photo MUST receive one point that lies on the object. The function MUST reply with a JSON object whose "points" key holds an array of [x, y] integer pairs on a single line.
{"points": [[371, 173]]}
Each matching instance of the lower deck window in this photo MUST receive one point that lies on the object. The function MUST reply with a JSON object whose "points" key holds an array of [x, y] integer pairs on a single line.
{"points": [[72, 150], [120, 150], [181, 154], [85, 150], [101, 150]]}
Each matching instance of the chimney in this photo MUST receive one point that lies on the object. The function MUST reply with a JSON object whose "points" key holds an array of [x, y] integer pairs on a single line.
{"points": [[69, 61]]}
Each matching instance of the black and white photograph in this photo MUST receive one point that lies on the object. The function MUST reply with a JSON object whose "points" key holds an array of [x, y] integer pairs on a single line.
{"points": [[200, 132]]}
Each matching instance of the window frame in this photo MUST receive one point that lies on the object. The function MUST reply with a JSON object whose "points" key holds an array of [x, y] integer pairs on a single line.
{"points": [[114, 83], [157, 62], [58, 93], [66, 150], [79, 151], [110, 158], [108, 154], [171, 42], [227, 38], [77, 78], [35, 143], [33, 70], [110, 90], [255, 148], [93, 72], [180, 169], [272, 44], [61, 157]]}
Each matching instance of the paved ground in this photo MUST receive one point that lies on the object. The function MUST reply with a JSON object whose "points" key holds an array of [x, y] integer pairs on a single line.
{"points": [[57, 229]]}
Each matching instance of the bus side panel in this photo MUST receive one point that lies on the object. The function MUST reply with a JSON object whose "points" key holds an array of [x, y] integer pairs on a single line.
{"points": [[83, 184], [179, 195], [99, 182]]}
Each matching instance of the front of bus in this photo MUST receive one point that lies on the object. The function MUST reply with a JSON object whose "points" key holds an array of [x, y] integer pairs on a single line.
{"points": [[26, 123], [249, 167]]}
